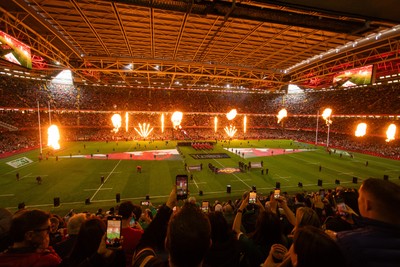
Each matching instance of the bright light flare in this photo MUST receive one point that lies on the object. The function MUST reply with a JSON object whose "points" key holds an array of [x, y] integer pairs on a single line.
{"points": [[177, 119], [230, 131], [244, 124], [361, 129], [162, 123], [215, 124], [390, 133], [231, 114], [281, 114], [53, 137], [327, 115], [144, 130], [126, 121], [116, 121]]}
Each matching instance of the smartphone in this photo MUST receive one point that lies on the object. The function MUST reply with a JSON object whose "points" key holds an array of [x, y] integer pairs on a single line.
{"points": [[181, 186], [277, 193], [114, 226], [322, 193], [132, 222], [145, 203], [252, 197], [205, 206], [341, 206]]}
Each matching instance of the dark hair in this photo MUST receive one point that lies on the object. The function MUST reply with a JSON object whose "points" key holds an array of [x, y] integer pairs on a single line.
{"points": [[308, 217], [88, 240], [268, 229], [300, 197], [220, 231], [125, 209], [137, 211], [385, 194], [188, 236], [25, 221], [315, 248]]}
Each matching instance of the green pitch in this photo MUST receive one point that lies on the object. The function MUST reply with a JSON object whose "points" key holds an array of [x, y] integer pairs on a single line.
{"points": [[73, 174]]}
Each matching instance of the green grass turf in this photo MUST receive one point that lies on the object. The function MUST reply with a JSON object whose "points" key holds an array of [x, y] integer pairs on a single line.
{"points": [[75, 179]]}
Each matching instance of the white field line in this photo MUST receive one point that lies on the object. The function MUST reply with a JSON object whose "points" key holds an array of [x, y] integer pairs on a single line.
{"points": [[97, 189], [108, 176]]}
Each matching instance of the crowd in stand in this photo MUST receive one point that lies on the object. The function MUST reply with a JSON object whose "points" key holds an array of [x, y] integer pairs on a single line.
{"points": [[337, 227], [83, 112]]}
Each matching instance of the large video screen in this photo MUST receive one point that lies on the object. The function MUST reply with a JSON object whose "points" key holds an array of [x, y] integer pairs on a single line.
{"points": [[353, 77], [15, 51]]}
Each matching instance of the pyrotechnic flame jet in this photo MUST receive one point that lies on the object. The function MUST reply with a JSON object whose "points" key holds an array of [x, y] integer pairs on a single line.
{"points": [[282, 114], [326, 115], [230, 131], [391, 132], [116, 121], [162, 122], [177, 119], [53, 137], [361, 129], [215, 124], [145, 130], [231, 114]]}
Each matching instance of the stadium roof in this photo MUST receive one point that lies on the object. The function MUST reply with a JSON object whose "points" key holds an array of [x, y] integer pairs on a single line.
{"points": [[194, 44]]}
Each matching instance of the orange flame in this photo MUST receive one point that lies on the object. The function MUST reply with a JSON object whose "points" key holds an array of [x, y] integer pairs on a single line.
{"points": [[326, 115], [162, 122], [244, 124], [231, 114], [282, 114], [53, 137], [230, 131], [177, 119], [361, 129], [117, 121], [144, 130], [391, 132]]}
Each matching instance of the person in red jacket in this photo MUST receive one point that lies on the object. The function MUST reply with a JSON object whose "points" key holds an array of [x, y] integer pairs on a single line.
{"points": [[30, 234], [131, 230]]}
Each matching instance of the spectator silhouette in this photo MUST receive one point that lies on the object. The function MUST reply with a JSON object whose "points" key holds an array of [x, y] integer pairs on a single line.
{"points": [[89, 249], [187, 239], [377, 242], [131, 230], [311, 247], [225, 250], [268, 231], [64, 247], [29, 231]]}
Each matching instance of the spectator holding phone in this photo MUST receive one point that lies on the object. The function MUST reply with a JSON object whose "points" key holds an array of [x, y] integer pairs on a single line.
{"points": [[345, 217], [90, 248], [311, 247], [268, 231], [131, 230], [224, 251], [186, 235], [304, 215], [377, 242]]}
